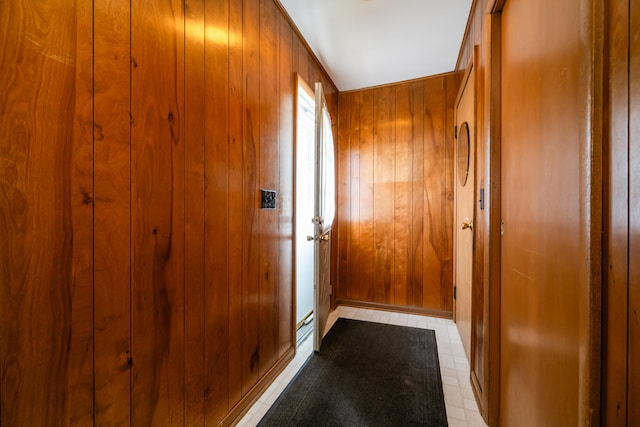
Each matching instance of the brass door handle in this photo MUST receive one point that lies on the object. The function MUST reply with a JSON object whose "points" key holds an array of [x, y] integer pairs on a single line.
{"points": [[468, 225], [324, 237]]}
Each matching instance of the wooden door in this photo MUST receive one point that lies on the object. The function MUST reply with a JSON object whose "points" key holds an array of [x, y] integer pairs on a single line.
{"points": [[464, 197], [324, 210]]}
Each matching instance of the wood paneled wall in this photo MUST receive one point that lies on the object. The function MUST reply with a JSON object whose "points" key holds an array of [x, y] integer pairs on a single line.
{"points": [[621, 294], [395, 195], [140, 282]]}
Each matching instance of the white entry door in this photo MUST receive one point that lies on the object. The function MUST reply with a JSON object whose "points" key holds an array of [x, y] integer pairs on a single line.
{"points": [[324, 212]]}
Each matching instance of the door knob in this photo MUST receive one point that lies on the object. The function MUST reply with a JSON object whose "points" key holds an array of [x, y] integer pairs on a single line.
{"points": [[324, 237], [468, 225]]}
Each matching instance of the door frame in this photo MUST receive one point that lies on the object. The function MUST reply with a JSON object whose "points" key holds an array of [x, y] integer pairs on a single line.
{"points": [[298, 82], [488, 392]]}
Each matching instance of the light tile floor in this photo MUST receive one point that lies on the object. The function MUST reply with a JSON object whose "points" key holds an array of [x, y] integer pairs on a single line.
{"points": [[462, 410]]}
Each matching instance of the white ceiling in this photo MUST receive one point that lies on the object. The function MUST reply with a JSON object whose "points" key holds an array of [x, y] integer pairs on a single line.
{"points": [[363, 43]]}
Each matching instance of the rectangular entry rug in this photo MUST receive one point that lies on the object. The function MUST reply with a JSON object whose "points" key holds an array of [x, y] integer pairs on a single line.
{"points": [[366, 374]]}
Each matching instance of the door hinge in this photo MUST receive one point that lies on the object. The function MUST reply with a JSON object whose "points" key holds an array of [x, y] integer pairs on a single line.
{"points": [[454, 292], [455, 131], [330, 289]]}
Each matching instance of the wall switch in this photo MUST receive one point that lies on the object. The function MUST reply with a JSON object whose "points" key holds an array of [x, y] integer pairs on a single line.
{"points": [[268, 199]]}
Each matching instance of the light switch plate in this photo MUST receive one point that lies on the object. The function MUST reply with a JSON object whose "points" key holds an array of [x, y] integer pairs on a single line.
{"points": [[268, 199]]}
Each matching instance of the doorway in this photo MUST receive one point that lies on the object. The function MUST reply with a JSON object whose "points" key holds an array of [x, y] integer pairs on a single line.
{"points": [[304, 204]]}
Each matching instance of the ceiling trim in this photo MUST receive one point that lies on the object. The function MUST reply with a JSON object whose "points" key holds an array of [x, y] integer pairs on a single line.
{"points": [[433, 76], [297, 32], [466, 33]]}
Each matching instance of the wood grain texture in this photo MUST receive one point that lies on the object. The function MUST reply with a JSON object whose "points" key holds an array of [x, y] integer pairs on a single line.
{"points": [[112, 213], [383, 168], [251, 220], [451, 86], [542, 238], [194, 215], [352, 130], [134, 141], [269, 179], [216, 205], [367, 186], [304, 63], [46, 215], [438, 193], [633, 377], [399, 247], [403, 195], [285, 209], [157, 168], [616, 224], [415, 288], [493, 194], [480, 223], [465, 111], [344, 197], [236, 176], [81, 351]]}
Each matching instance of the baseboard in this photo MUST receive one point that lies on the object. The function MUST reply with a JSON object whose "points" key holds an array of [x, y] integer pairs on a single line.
{"points": [[240, 409], [397, 308]]}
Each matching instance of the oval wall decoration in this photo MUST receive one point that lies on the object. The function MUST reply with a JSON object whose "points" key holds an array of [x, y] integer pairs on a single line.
{"points": [[463, 154]]}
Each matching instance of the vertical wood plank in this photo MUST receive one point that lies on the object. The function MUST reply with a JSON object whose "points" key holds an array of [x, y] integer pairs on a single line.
{"points": [[157, 324], [79, 405], [285, 209], [355, 182], [343, 204], [250, 213], [236, 215], [416, 277], [217, 200], [616, 219], [194, 231], [383, 167], [403, 194], [268, 179], [81, 356], [45, 213], [435, 181], [451, 86], [367, 248], [633, 378], [112, 208], [303, 63]]}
